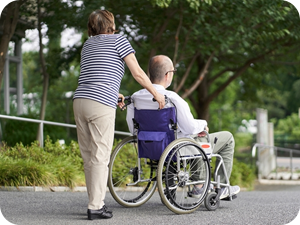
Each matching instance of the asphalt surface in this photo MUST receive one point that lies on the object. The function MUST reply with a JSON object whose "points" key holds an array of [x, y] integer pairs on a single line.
{"points": [[267, 204]]}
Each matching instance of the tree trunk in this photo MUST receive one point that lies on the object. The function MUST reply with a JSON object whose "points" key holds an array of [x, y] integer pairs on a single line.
{"points": [[44, 72], [205, 97], [201, 103], [202, 107], [9, 26]]}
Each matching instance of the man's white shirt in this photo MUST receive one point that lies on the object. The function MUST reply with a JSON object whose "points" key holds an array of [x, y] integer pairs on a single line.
{"points": [[187, 125]]}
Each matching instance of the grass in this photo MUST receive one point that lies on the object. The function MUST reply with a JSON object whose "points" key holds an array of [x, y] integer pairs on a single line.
{"points": [[53, 165]]}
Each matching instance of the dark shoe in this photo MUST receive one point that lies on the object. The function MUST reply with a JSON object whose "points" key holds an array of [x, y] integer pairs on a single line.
{"points": [[99, 214], [106, 209]]}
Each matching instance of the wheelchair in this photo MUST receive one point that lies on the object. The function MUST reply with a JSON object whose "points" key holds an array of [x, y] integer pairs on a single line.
{"points": [[154, 159]]}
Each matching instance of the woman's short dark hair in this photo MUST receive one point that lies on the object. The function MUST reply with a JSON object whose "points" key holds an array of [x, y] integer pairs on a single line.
{"points": [[101, 22]]}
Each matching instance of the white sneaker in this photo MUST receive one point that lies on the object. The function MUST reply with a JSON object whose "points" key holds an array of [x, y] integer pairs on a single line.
{"points": [[233, 191]]}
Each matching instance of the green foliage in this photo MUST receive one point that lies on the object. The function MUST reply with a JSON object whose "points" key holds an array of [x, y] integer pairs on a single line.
{"points": [[52, 165], [223, 115], [59, 107], [32, 79], [248, 39], [242, 174], [66, 173], [194, 4], [69, 152], [57, 164], [125, 159], [24, 172], [15, 131], [244, 165], [243, 141], [288, 127], [161, 3], [261, 35]]}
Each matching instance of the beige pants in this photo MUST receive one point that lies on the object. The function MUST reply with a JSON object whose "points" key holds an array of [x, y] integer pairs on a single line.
{"points": [[95, 130]]}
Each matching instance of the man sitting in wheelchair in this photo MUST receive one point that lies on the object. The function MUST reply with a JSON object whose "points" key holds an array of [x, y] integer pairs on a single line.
{"points": [[161, 72]]}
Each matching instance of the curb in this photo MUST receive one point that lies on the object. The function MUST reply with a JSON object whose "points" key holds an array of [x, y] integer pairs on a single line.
{"points": [[280, 182], [83, 189], [45, 189]]}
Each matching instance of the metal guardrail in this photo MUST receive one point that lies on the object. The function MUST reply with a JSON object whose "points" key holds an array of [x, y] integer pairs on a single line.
{"points": [[275, 148], [42, 122]]}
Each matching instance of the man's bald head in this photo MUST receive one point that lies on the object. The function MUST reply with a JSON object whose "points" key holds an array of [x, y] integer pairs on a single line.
{"points": [[158, 67]]}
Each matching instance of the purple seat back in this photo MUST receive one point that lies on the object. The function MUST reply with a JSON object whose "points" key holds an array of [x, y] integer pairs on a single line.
{"points": [[154, 132]]}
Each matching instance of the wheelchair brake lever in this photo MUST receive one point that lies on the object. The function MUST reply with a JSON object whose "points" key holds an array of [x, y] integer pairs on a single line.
{"points": [[215, 141]]}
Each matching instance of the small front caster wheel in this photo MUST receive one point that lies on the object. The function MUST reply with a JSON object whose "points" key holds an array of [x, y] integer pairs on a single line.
{"points": [[210, 201]]}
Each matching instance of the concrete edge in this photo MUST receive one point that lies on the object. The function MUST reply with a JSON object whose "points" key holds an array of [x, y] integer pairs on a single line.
{"points": [[280, 182], [54, 189], [83, 189], [38, 188]]}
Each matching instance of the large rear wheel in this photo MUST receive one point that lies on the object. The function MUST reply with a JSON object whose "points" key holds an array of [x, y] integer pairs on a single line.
{"points": [[131, 180], [182, 166]]}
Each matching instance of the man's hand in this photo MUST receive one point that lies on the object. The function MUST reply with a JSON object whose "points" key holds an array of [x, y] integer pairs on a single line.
{"points": [[203, 134]]}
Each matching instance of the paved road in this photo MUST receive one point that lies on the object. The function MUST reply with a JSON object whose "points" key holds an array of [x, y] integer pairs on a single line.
{"points": [[274, 205]]}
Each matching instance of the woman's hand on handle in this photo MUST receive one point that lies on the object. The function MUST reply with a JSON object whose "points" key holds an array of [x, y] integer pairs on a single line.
{"points": [[161, 100], [122, 103]]}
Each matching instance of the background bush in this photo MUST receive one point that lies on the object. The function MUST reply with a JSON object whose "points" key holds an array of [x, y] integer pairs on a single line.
{"points": [[242, 174], [53, 165], [62, 165]]}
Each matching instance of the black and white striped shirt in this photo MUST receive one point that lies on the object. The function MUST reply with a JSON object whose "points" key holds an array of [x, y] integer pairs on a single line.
{"points": [[102, 68]]}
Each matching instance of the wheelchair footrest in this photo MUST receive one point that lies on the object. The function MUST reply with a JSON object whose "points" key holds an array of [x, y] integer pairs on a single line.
{"points": [[228, 198]]}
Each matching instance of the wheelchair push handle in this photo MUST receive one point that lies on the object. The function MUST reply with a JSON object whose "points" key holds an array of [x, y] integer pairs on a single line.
{"points": [[166, 100], [127, 100]]}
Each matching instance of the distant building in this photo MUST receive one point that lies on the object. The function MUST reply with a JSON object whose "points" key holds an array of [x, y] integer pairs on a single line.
{"points": [[14, 56]]}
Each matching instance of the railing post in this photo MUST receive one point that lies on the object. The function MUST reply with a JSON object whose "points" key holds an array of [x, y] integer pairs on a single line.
{"points": [[6, 85], [276, 154], [41, 134], [291, 163]]}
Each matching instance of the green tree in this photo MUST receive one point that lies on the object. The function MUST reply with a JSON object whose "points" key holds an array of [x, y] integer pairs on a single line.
{"points": [[216, 46], [45, 14], [212, 44], [289, 127]]}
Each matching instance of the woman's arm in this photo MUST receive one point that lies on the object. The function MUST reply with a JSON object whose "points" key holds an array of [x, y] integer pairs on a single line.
{"points": [[140, 76]]}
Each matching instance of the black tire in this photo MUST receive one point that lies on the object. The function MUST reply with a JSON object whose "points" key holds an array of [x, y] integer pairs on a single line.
{"points": [[210, 201], [123, 181], [175, 175]]}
